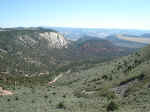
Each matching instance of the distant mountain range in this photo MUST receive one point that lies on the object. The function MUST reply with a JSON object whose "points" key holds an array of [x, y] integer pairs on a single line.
{"points": [[146, 35], [109, 34], [76, 33]]}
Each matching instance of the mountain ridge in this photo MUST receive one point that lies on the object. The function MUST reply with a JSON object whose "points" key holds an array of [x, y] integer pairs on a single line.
{"points": [[42, 51]]}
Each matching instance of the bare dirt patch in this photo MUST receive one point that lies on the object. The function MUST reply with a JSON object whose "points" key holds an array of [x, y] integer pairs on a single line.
{"points": [[5, 92], [56, 78]]}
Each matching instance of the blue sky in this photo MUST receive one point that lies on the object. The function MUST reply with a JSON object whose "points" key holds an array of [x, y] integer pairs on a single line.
{"points": [[132, 14]]}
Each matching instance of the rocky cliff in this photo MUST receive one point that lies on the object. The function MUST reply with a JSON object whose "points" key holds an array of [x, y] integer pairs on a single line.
{"points": [[38, 49], [55, 40], [44, 38]]}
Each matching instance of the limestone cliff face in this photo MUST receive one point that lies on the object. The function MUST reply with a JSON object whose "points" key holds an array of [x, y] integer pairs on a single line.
{"points": [[49, 39], [55, 40]]}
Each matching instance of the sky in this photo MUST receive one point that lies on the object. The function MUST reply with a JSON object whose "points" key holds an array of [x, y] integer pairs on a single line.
{"points": [[123, 14]]}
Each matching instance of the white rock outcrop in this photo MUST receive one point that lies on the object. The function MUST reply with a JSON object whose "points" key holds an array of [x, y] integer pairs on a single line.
{"points": [[50, 39], [55, 40]]}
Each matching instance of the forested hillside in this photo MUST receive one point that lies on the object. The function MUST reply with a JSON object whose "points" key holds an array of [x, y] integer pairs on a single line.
{"points": [[120, 85]]}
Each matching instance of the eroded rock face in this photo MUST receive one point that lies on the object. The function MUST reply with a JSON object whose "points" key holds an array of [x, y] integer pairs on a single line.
{"points": [[50, 39], [55, 40]]}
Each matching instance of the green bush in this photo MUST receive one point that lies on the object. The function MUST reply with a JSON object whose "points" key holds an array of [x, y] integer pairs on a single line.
{"points": [[108, 94], [61, 105], [112, 106]]}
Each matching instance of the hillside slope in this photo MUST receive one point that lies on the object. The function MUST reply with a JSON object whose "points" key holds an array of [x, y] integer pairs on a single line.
{"points": [[100, 47], [121, 85], [30, 51], [36, 51]]}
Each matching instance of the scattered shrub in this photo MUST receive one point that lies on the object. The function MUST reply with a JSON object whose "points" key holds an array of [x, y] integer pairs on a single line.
{"points": [[105, 77], [112, 106], [8, 99], [33, 101], [109, 94], [54, 93], [46, 96], [64, 96], [149, 86], [78, 93], [61, 105], [16, 98], [49, 101]]}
